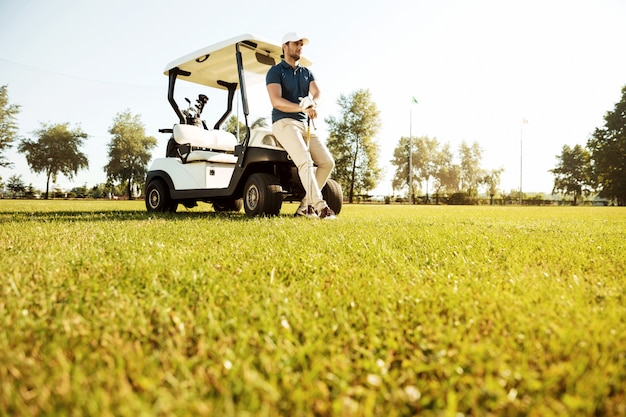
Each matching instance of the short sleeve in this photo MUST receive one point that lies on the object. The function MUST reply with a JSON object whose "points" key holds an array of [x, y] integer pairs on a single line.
{"points": [[273, 76]]}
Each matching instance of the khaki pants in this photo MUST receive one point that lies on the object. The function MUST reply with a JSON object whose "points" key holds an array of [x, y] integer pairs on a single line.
{"points": [[291, 134]]}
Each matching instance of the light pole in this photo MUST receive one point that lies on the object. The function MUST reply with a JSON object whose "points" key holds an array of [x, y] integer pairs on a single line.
{"points": [[411, 156], [521, 154], [413, 101]]}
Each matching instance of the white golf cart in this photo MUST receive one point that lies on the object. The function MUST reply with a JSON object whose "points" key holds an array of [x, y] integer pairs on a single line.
{"points": [[209, 165]]}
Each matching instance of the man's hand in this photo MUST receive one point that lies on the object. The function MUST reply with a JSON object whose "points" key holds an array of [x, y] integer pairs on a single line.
{"points": [[311, 112]]}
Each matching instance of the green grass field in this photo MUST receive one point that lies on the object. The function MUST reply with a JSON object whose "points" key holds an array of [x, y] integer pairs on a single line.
{"points": [[394, 310]]}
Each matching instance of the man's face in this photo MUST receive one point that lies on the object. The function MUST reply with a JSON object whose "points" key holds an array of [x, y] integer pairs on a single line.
{"points": [[294, 49]]}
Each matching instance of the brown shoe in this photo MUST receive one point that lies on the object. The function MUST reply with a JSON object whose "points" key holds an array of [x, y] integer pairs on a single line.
{"points": [[327, 214], [302, 212]]}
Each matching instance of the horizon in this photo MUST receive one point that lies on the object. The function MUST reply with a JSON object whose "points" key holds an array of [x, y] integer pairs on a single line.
{"points": [[477, 70]]}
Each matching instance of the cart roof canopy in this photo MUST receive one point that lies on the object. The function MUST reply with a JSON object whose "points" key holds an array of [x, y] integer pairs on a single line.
{"points": [[218, 62]]}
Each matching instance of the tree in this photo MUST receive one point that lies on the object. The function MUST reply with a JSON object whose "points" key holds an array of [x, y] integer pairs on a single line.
{"points": [[572, 175], [56, 152], [431, 162], [238, 128], [16, 185], [608, 153], [448, 175], [426, 159], [492, 180], [129, 151], [401, 162], [30, 191], [471, 173], [260, 122], [8, 125], [352, 142], [80, 192]]}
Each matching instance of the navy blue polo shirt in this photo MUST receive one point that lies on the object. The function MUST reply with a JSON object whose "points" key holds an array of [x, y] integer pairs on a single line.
{"points": [[294, 83]]}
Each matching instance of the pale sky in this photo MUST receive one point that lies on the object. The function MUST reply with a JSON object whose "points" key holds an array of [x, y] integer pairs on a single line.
{"points": [[476, 67]]}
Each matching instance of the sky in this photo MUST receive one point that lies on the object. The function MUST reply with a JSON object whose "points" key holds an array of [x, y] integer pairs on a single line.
{"points": [[477, 68]]}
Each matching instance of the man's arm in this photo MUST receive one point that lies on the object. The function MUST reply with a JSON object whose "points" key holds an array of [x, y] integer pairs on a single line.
{"points": [[282, 104], [314, 91], [278, 102]]}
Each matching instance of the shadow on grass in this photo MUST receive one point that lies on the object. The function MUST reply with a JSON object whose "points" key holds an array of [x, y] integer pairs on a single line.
{"points": [[119, 215]]}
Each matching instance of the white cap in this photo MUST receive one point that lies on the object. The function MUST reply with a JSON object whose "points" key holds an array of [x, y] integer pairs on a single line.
{"points": [[294, 36]]}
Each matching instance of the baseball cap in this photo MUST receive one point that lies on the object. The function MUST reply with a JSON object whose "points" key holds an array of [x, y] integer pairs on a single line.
{"points": [[294, 36]]}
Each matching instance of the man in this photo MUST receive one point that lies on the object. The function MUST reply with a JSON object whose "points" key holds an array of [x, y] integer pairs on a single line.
{"points": [[294, 93]]}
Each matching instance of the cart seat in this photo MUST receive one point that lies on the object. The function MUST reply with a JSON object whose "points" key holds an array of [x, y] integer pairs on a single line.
{"points": [[197, 137], [197, 144]]}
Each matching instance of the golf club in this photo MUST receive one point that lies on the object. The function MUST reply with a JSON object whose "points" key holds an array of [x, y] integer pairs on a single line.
{"points": [[308, 188]]}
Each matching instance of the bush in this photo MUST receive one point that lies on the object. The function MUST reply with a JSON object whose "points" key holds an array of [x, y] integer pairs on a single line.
{"points": [[460, 198]]}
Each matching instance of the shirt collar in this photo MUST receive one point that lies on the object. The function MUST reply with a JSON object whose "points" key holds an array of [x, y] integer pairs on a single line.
{"points": [[287, 66]]}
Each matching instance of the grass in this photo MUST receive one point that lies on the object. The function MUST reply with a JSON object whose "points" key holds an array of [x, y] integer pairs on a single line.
{"points": [[390, 310]]}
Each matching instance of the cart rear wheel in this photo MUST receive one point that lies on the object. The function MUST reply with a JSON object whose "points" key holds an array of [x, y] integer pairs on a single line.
{"points": [[333, 195]]}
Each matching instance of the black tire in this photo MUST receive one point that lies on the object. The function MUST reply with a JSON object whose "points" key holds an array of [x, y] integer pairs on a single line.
{"points": [[262, 195], [228, 205], [158, 198], [333, 195]]}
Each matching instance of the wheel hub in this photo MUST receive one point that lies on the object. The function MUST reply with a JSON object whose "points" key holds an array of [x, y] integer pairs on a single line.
{"points": [[154, 199], [252, 198]]}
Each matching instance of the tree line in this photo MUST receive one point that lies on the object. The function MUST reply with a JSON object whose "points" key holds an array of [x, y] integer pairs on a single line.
{"points": [[55, 149], [600, 166], [352, 143], [424, 165], [435, 170]]}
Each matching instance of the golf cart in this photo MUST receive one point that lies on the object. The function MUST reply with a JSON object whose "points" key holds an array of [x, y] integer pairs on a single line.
{"points": [[209, 164]]}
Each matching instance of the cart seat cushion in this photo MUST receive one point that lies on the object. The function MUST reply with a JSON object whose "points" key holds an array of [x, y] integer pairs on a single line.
{"points": [[218, 140], [215, 157]]}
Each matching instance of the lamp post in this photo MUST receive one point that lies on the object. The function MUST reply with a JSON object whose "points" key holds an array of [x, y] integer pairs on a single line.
{"points": [[413, 101], [521, 154], [411, 156]]}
